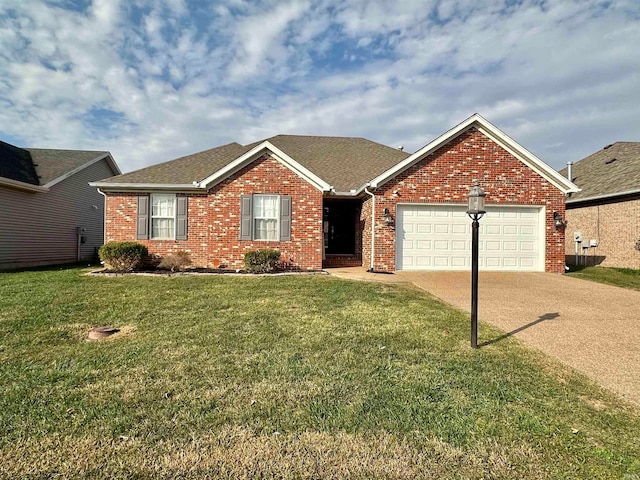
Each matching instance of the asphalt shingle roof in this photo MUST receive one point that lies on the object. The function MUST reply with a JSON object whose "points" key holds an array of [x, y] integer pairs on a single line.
{"points": [[51, 164], [613, 170], [344, 162], [16, 164], [39, 166], [184, 170]]}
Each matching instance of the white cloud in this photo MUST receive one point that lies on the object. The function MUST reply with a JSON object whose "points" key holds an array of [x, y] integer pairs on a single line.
{"points": [[177, 77]]}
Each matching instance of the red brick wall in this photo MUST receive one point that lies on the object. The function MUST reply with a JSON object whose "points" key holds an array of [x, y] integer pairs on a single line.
{"points": [[446, 175], [214, 219]]}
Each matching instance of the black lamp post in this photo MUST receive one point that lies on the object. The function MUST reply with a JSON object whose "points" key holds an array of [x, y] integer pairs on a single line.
{"points": [[476, 211]]}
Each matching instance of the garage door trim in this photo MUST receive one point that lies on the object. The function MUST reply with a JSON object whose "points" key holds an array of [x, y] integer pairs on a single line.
{"points": [[541, 220]]}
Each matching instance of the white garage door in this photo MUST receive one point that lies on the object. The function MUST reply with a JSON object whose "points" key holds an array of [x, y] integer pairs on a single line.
{"points": [[438, 237]]}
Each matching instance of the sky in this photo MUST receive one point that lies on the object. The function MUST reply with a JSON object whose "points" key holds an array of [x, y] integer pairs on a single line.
{"points": [[152, 80]]}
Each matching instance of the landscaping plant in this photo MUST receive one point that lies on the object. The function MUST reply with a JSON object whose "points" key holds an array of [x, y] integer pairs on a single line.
{"points": [[264, 260], [123, 256], [176, 261]]}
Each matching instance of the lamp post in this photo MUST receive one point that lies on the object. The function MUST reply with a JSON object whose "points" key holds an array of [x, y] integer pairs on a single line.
{"points": [[476, 211]]}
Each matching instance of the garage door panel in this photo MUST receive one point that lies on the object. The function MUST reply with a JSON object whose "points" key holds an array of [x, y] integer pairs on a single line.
{"points": [[493, 246], [423, 261], [441, 245], [435, 237], [458, 245]]}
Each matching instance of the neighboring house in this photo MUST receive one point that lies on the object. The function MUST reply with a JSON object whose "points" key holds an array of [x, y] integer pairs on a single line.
{"points": [[48, 212], [607, 209], [314, 198]]}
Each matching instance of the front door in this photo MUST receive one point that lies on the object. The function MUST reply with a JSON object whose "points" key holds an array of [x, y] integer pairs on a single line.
{"points": [[340, 219]]}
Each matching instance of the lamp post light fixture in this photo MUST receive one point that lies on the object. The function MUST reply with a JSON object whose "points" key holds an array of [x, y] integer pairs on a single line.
{"points": [[476, 211]]}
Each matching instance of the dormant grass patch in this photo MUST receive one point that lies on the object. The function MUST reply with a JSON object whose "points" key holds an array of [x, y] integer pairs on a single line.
{"points": [[283, 377]]}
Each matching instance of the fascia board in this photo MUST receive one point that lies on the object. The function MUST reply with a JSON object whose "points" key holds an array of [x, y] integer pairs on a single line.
{"points": [[513, 147], [384, 177], [525, 156], [109, 186], [602, 197], [253, 154], [106, 156], [8, 182]]}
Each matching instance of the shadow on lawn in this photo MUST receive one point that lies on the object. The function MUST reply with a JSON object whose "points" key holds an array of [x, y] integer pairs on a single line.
{"points": [[540, 319]]}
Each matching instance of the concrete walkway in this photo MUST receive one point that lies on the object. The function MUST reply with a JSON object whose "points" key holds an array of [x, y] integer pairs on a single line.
{"points": [[589, 326]]}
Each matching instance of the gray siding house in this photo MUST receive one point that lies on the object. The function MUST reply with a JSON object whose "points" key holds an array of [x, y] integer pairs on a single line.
{"points": [[48, 212]]}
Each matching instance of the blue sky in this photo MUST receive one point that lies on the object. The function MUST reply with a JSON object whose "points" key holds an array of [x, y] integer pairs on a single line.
{"points": [[156, 79]]}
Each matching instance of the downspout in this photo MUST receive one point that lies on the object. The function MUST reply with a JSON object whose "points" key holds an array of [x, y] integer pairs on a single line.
{"points": [[373, 225], [104, 217]]}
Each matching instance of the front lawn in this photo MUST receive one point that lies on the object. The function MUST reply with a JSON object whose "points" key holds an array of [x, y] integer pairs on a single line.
{"points": [[619, 277], [284, 377]]}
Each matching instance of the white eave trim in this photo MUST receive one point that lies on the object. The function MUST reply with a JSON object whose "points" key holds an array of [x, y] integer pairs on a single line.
{"points": [[255, 153], [112, 186], [107, 156], [490, 130], [29, 187], [571, 201]]}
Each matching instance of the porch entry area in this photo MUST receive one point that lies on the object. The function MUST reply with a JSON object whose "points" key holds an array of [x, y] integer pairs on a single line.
{"points": [[342, 231]]}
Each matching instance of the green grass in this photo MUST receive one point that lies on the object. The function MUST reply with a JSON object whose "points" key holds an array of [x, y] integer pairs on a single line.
{"points": [[285, 377], [620, 277]]}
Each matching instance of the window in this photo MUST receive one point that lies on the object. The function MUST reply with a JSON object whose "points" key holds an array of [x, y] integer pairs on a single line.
{"points": [[163, 216], [265, 217]]}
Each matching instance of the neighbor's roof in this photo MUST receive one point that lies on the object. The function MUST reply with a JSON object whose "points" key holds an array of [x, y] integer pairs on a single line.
{"points": [[344, 162], [612, 171], [53, 164], [16, 164], [42, 168]]}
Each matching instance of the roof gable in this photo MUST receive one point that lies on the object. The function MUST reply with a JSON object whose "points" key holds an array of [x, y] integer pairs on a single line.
{"points": [[329, 163], [612, 171], [495, 134], [38, 169], [54, 164]]}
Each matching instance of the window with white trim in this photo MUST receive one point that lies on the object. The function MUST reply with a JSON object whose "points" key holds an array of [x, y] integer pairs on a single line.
{"points": [[266, 213], [163, 217]]}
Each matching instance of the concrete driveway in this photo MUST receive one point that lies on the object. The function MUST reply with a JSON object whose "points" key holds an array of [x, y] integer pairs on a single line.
{"points": [[591, 327]]}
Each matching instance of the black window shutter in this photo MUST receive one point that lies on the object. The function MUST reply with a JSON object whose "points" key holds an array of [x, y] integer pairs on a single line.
{"points": [[143, 218], [245, 217], [182, 207], [285, 218]]}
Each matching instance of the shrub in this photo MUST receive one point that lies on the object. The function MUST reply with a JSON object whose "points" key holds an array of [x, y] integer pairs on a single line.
{"points": [[261, 261], [122, 256], [175, 261]]}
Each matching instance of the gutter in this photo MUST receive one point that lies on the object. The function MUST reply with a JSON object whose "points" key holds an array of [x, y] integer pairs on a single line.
{"points": [[602, 197], [373, 226], [193, 187], [104, 216], [23, 185]]}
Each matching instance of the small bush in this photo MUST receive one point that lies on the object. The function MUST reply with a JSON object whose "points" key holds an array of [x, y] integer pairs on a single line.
{"points": [[175, 261], [122, 256], [263, 260]]}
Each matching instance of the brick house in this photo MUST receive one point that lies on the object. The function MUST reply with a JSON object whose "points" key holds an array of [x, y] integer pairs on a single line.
{"points": [[606, 212], [334, 201]]}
